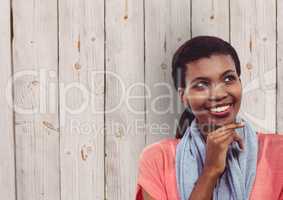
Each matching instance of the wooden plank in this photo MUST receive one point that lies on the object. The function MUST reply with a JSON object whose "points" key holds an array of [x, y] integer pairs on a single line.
{"points": [[279, 107], [7, 165], [210, 17], [35, 90], [253, 34], [81, 99], [167, 26], [124, 81]]}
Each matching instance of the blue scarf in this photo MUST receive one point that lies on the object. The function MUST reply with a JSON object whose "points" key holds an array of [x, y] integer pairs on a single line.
{"points": [[237, 180]]}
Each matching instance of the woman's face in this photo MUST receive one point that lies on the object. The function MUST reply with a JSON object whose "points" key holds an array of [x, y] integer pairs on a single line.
{"points": [[213, 90]]}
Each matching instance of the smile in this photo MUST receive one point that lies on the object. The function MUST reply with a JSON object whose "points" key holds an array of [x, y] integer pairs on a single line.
{"points": [[220, 110]]}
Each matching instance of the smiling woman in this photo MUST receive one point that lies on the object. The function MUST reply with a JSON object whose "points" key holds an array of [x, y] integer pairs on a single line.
{"points": [[214, 96], [216, 154]]}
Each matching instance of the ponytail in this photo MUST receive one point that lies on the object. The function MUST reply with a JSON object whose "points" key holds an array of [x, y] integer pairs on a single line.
{"points": [[184, 122]]}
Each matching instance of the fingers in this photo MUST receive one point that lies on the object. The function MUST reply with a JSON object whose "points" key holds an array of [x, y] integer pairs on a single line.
{"points": [[219, 134], [223, 130], [235, 136], [226, 135], [229, 138], [240, 140], [231, 126], [226, 138]]}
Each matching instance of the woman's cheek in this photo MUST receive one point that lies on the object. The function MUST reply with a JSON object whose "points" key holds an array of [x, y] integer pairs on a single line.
{"points": [[236, 91], [197, 100]]}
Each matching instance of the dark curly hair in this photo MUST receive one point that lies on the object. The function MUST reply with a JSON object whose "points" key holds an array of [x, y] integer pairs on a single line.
{"points": [[194, 49]]}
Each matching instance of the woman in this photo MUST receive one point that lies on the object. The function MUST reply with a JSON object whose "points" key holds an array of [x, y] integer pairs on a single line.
{"points": [[216, 154]]}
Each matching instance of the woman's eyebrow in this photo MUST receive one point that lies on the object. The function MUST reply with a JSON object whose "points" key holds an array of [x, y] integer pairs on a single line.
{"points": [[200, 78], [227, 72]]}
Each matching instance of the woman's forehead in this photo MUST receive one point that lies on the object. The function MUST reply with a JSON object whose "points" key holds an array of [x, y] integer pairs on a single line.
{"points": [[213, 66]]}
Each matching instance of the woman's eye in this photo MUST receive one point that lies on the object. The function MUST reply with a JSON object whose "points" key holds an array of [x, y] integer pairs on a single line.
{"points": [[229, 78], [201, 85]]}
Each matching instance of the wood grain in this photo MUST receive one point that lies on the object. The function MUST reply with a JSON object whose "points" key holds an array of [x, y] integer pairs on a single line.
{"points": [[253, 34], [7, 164], [279, 107], [125, 134], [93, 86], [210, 17], [81, 67], [36, 107], [167, 26]]}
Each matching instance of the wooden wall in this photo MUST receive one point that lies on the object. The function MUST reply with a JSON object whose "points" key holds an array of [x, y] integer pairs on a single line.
{"points": [[86, 85]]}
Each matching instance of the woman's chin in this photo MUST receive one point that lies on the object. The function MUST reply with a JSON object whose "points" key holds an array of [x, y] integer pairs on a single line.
{"points": [[211, 122], [219, 122]]}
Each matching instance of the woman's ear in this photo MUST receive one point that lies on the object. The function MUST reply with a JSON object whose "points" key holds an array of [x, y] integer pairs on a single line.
{"points": [[181, 93]]}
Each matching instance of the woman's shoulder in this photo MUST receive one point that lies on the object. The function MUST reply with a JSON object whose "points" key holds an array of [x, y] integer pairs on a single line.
{"points": [[156, 173], [159, 151], [270, 144], [161, 145], [271, 149], [269, 167], [270, 138]]}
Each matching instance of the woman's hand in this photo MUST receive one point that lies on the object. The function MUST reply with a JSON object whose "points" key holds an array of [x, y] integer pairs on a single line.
{"points": [[217, 143]]}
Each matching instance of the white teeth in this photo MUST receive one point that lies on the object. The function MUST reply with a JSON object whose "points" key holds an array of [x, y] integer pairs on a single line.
{"points": [[219, 109]]}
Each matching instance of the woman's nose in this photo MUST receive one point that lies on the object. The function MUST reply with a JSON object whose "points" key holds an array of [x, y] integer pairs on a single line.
{"points": [[218, 92]]}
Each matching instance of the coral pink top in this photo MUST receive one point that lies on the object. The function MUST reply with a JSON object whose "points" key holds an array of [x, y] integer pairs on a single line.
{"points": [[157, 174]]}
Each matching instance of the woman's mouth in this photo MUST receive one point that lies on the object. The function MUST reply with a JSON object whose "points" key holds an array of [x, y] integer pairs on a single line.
{"points": [[220, 111]]}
